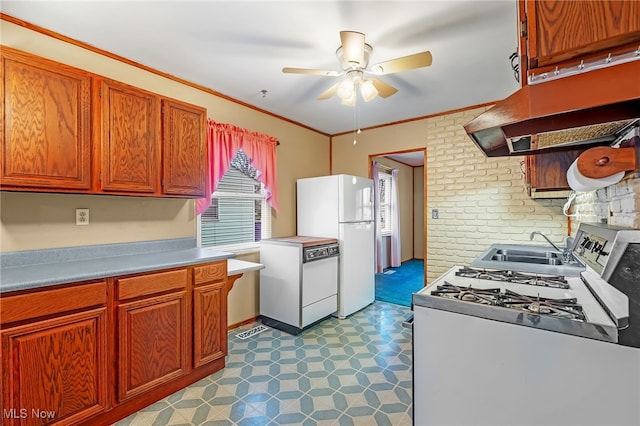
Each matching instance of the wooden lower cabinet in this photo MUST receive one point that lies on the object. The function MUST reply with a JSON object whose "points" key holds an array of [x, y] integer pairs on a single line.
{"points": [[54, 368], [209, 312], [209, 325], [92, 353], [152, 340]]}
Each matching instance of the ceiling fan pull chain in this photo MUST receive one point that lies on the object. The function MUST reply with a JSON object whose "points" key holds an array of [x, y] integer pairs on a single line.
{"points": [[355, 120]]}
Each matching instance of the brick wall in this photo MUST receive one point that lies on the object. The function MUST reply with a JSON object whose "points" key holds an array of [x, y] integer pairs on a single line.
{"points": [[617, 204], [481, 201]]}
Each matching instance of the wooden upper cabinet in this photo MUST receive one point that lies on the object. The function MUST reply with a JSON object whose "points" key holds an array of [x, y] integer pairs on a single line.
{"points": [[184, 148], [546, 174], [68, 130], [46, 129], [559, 31], [130, 138]]}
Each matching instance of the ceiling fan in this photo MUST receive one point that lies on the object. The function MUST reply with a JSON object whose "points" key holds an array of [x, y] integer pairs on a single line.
{"points": [[353, 56]]}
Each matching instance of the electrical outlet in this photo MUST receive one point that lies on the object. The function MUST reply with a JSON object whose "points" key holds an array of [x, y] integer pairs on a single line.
{"points": [[82, 216], [435, 214]]}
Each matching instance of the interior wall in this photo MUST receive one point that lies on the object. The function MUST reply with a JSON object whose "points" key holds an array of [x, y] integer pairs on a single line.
{"points": [[405, 196], [418, 212], [32, 221], [36, 221], [617, 205], [480, 200]]}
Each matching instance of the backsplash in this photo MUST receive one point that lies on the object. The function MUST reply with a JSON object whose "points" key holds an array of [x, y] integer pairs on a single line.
{"points": [[617, 204]]}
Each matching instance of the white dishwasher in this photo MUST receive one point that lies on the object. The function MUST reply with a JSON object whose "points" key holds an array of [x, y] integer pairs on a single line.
{"points": [[299, 282]]}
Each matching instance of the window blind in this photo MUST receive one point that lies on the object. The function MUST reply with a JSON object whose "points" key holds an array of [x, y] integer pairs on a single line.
{"points": [[238, 214], [384, 191]]}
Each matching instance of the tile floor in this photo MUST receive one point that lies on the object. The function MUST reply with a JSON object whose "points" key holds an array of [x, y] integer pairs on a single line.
{"points": [[355, 371]]}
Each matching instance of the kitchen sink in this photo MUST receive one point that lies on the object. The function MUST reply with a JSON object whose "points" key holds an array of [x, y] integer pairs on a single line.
{"points": [[528, 258]]}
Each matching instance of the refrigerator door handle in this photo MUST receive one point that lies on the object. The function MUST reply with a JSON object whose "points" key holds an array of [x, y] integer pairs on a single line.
{"points": [[358, 221]]}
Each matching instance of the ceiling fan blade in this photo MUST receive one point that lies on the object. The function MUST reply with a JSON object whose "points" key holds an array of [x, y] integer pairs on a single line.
{"points": [[384, 90], [352, 47], [288, 70], [329, 92], [404, 63]]}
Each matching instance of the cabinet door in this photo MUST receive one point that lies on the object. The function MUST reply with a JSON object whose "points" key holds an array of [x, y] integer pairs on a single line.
{"points": [[184, 149], [152, 340], [46, 133], [130, 139], [548, 172], [209, 323], [55, 371], [562, 30]]}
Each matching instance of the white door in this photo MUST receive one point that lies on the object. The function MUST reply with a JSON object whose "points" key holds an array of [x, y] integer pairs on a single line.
{"points": [[356, 198], [356, 286]]}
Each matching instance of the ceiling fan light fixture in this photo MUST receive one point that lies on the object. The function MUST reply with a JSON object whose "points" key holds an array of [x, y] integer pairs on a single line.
{"points": [[353, 56], [349, 100], [346, 89], [368, 90]]}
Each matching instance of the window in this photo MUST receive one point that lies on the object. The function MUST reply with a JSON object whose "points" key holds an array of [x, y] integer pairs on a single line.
{"points": [[239, 215], [384, 191]]}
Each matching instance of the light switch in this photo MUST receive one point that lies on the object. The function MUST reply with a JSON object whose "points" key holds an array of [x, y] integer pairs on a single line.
{"points": [[434, 214]]}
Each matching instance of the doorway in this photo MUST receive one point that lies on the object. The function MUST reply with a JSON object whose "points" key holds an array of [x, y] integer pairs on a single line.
{"points": [[411, 186]]}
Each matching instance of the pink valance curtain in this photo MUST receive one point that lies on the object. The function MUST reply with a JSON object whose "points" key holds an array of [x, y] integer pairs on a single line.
{"points": [[223, 143]]}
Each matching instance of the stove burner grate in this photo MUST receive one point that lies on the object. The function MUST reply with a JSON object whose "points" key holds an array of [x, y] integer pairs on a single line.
{"points": [[561, 308], [555, 281]]}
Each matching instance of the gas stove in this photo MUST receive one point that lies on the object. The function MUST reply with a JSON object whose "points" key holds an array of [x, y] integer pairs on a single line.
{"points": [[554, 303], [557, 281], [561, 308], [594, 304], [565, 345]]}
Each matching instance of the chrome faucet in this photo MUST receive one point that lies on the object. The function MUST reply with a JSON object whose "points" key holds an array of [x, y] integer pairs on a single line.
{"points": [[565, 253]]}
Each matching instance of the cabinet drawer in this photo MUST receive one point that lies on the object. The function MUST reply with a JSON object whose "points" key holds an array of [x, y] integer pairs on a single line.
{"points": [[49, 302], [144, 285], [210, 273], [318, 310]]}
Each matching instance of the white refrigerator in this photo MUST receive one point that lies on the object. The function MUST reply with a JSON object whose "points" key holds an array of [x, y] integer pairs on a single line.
{"points": [[341, 206]]}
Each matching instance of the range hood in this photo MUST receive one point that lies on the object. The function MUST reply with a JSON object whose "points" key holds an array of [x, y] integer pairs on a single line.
{"points": [[588, 109]]}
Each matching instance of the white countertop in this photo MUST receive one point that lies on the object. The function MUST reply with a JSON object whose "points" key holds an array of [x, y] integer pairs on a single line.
{"points": [[236, 266]]}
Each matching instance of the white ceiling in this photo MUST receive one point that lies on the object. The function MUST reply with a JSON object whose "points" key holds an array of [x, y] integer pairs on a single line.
{"points": [[411, 158], [238, 48]]}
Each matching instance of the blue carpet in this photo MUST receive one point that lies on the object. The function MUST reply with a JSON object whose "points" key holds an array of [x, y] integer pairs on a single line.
{"points": [[396, 285]]}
